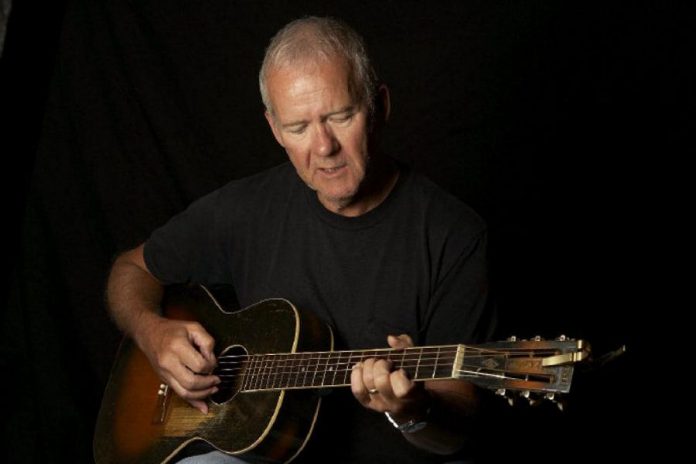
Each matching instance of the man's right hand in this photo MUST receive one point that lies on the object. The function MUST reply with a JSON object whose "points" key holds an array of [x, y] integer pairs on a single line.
{"points": [[181, 352]]}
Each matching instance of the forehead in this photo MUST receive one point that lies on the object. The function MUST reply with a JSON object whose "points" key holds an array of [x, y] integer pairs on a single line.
{"points": [[310, 82]]}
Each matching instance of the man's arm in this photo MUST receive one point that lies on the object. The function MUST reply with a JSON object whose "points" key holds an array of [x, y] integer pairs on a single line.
{"points": [[181, 352], [446, 406]]}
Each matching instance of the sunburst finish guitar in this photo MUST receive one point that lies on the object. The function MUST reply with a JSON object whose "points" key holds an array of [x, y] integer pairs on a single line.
{"points": [[272, 358]]}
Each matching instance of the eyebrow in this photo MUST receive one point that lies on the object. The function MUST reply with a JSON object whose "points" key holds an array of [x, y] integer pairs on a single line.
{"points": [[346, 109]]}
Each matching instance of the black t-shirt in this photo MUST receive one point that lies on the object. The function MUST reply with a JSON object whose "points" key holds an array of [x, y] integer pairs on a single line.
{"points": [[415, 264]]}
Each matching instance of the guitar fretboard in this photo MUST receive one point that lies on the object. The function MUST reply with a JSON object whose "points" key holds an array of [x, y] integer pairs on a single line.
{"points": [[333, 369]]}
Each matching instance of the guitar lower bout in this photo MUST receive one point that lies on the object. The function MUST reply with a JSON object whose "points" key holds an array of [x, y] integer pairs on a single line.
{"points": [[143, 421]]}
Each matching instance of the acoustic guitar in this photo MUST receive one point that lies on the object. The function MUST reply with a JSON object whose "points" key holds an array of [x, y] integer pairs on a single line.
{"points": [[272, 360]]}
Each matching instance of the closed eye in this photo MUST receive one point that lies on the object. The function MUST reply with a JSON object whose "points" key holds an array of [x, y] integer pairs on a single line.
{"points": [[342, 117], [297, 129]]}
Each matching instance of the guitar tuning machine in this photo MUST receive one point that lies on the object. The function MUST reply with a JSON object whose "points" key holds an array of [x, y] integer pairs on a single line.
{"points": [[537, 338], [551, 396], [504, 393], [512, 338]]}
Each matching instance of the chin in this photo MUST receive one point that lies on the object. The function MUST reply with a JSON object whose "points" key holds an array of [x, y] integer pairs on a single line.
{"points": [[341, 199]]}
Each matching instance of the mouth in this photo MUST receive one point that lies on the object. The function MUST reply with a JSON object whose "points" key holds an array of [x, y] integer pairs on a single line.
{"points": [[331, 170]]}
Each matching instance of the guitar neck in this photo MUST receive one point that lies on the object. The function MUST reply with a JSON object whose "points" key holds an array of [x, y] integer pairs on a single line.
{"points": [[264, 372]]}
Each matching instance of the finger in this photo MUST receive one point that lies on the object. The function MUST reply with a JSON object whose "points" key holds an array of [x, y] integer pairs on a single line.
{"points": [[195, 399], [193, 359], [381, 377], [191, 398], [357, 386], [202, 406], [368, 374], [400, 342], [400, 383], [204, 343], [190, 381]]}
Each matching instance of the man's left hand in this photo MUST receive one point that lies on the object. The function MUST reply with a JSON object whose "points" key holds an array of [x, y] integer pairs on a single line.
{"points": [[378, 387]]}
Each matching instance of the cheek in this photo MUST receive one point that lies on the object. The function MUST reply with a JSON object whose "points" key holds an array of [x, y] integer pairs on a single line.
{"points": [[359, 151], [299, 159]]}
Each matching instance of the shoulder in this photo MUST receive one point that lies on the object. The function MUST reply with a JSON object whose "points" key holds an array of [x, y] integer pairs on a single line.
{"points": [[439, 208], [252, 190], [270, 180]]}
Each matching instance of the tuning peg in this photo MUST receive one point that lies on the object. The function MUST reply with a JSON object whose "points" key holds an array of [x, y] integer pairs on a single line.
{"points": [[537, 338], [551, 396], [504, 393], [512, 338], [561, 338], [534, 400]]}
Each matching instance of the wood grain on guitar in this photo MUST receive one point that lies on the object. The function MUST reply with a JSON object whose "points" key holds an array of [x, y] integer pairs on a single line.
{"points": [[272, 360]]}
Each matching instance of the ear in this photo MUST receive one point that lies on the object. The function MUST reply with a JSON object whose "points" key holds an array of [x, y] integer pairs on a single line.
{"points": [[382, 104], [272, 122]]}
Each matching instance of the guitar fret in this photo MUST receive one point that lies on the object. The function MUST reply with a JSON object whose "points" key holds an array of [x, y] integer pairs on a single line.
{"points": [[244, 374], [258, 372], [336, 367], [415, 376], [326, 368], [316, 369], [250, 372], [305, 368], [271, 375], [282, 379], [299, 369], [292, 371], [263, 370], [350, 365], [437, 358]]}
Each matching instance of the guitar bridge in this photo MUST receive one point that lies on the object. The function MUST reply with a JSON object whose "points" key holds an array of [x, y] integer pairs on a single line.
{"points": [[160, 412]]}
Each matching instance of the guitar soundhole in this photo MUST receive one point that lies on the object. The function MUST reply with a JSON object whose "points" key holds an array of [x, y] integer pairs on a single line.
{"points": [[231, 364]]}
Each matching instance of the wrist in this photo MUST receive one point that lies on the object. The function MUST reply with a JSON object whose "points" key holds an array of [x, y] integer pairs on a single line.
{"points": [[144, 327], [410, 425]]}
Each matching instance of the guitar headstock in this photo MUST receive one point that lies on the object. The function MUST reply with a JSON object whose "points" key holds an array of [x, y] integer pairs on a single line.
{"points": [[534, 369]]}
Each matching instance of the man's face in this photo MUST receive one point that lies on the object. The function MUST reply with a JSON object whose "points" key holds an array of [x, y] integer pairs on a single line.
{"points": [[323, 129]]}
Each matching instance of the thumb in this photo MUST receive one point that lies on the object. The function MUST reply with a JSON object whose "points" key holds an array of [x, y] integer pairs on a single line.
{"points": [[400, 341]]}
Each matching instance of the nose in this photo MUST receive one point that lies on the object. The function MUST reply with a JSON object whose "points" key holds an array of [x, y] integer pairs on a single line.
{"points": [[325, 142]]}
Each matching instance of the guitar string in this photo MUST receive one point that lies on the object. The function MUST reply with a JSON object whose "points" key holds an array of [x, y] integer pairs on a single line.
{"points": [[258, 363], [264, 368], [427, 367], [331, 355], [476, 373], [273, 376], [297, 367], [443, 349], [285, 367]]}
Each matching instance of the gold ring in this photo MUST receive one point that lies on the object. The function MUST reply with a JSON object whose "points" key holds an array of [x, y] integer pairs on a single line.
{"points": [[372, 391]]}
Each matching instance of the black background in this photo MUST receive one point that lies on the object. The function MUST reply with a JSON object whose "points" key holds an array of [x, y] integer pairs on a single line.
{"points": [[551, 119]]}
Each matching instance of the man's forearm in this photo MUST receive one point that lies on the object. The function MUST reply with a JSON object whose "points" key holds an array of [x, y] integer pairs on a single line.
{"points": [[453, 405], [133, 294]]}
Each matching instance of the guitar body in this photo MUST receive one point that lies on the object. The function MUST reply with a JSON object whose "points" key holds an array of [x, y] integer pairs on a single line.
{"points": [[141, 421]]}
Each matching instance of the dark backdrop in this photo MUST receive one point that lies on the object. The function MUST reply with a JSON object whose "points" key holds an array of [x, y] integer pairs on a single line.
{"points": [[548, 118]]}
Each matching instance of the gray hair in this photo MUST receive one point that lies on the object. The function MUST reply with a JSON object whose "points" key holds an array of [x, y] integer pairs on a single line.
{"points": [[320, 39]]}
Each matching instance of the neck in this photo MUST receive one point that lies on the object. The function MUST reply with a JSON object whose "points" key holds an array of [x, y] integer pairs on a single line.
{"points": [[333, 368], [378, 184]]}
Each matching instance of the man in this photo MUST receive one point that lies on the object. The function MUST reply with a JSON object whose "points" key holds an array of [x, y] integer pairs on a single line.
{"points": [[378, 252]]}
